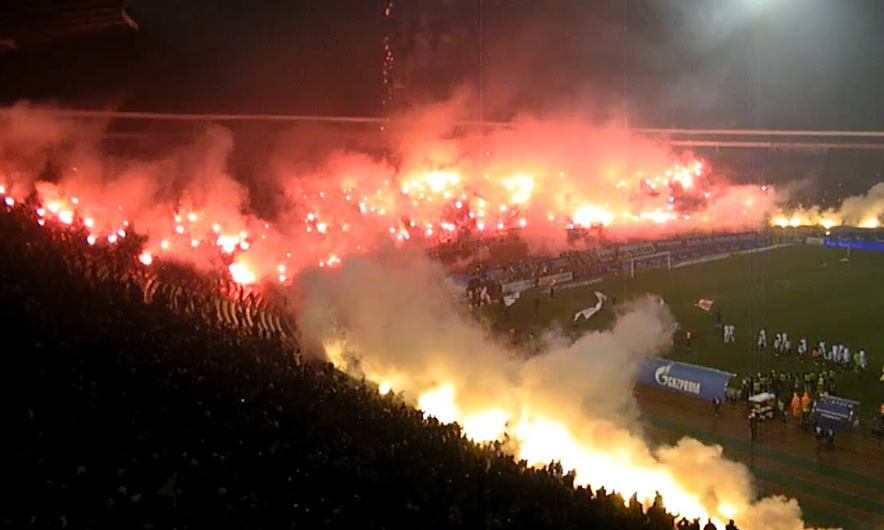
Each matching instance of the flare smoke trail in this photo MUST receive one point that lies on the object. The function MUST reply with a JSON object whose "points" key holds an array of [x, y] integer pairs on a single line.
{"points": [[390, 318]]}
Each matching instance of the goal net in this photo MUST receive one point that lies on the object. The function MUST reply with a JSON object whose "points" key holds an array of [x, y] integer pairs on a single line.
{"points": [[649, 261]]}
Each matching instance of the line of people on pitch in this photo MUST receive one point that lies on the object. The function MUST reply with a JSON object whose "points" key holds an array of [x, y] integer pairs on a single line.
{"points": [[836, 354], [779, 382]]}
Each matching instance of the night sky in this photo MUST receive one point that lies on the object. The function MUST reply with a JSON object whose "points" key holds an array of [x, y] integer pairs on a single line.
{"points": [[768, 63]]}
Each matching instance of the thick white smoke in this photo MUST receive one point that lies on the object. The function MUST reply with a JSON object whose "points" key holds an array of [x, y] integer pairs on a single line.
{"points": [[866, 210], [391, 319]]}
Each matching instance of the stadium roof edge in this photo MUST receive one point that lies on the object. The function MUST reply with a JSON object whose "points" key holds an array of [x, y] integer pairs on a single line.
{"points": [[27, 23]]}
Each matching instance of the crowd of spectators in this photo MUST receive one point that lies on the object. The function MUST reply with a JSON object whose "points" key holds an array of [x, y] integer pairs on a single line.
{"points": [[121, 413]]}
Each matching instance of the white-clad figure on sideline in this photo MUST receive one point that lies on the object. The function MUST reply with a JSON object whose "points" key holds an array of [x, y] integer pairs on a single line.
{"points": [[729, 333]]}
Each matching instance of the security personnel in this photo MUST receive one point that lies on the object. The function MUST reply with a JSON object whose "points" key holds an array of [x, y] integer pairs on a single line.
{"points": [[753, 426], [756, 386]]}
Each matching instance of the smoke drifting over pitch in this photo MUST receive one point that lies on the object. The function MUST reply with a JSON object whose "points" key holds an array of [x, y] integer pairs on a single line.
{"points": [[391, 319]]}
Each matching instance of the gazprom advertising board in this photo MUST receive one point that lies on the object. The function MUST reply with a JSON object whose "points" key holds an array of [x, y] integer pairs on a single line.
{"points": [[698, 381], [835, 413]]}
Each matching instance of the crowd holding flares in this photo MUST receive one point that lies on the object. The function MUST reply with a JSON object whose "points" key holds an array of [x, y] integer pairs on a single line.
{"points": [[863, 211], [572, 402], [421, 207], [536, 178]]}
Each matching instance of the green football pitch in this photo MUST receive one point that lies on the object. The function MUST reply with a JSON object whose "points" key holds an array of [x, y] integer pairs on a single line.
{"points": [[803, 290]]}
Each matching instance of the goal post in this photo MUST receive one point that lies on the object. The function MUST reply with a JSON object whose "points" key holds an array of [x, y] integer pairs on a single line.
{"points": [[651, 261]]}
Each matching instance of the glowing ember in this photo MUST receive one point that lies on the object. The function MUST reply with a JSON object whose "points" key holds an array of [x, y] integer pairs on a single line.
{"points": [[66, 217], [241, 274], [145, 258], [227, 243], [588, 215]]}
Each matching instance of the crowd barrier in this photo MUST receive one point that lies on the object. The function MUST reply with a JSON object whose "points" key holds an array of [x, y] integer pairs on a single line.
{"points": [[607, 260], [519, 286], [697, 381], [553, 279]]}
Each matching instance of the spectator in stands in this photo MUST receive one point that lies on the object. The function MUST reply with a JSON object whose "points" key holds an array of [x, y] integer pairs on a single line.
{"points": [[710, 526], [731, 526], [132, 414]]}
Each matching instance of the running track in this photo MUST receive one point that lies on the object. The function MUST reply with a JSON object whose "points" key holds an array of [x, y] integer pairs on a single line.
{"points": [[840, 488]]}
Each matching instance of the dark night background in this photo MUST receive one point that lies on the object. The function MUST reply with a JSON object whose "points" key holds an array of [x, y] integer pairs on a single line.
{"points": [[678, 63]]}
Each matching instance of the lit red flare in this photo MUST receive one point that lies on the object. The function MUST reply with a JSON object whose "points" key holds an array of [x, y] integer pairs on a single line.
{"points": [[352, 213]]}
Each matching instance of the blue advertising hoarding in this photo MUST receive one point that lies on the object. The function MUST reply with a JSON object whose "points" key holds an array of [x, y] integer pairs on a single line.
{"points": [[697, 381], [834, 413], [847, 243]]}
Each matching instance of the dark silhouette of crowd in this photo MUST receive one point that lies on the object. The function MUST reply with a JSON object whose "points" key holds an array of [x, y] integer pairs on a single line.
{"points": [[120, 414]]}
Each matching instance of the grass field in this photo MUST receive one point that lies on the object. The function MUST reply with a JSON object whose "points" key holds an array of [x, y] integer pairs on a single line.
{"points": [[803, 290]]}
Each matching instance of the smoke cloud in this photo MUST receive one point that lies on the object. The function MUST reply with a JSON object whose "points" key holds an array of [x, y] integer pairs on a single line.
{"points": [[864, 210], [426, 180], [390, 319]]}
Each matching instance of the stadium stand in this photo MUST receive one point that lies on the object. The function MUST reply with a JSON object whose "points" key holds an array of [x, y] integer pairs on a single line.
{"points": [[28, 23], [123, 412]]}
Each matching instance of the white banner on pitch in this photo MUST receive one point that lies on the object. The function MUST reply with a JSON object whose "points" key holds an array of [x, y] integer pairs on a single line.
{"points": [[589, 311]]}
